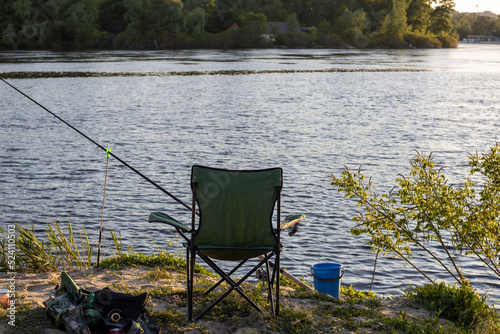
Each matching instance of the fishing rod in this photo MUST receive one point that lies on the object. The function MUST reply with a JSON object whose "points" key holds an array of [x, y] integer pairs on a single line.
{"points": [[98, 145], [108, 152]]}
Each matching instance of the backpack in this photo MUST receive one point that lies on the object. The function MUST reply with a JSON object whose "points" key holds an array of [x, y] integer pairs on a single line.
{"points": [[78, 311]]}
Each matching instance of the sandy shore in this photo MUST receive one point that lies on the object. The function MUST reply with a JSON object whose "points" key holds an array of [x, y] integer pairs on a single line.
{"points": [[33, 289]]}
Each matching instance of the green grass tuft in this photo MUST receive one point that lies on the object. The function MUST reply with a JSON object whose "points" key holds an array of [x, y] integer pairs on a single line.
{"points": [[62, 247], [163, 260], [171, 320], [461, 304]]}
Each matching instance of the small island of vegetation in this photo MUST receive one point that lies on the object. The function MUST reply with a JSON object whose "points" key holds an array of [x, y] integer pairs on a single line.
{"points": [[230, 24]]}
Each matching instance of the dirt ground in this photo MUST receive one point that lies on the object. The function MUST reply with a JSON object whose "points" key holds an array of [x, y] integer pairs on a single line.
{"points": [[35, 288]]}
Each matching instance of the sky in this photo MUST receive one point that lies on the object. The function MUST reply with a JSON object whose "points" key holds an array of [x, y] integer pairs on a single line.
{"points": [[483, 5]]}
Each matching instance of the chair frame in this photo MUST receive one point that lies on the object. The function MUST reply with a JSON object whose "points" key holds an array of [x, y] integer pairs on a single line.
{"points": [[192, 251]]}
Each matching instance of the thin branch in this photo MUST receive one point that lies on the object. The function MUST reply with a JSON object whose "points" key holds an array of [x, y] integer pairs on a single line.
{"points": [[405, 232], [374, 268]]}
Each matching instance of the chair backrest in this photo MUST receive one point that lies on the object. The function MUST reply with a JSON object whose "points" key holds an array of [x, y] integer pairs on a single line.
{"points": [[236, 207]]}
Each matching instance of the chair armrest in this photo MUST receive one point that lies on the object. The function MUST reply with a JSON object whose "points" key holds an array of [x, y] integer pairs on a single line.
{"points": [[159, 217], [291, 220]]}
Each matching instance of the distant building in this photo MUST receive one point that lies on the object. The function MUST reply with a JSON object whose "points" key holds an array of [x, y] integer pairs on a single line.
{"points": [[481, 39]]}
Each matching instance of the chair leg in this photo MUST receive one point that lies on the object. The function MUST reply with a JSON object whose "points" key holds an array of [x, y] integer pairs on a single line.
{"points": [[277, 268], [191, 261], [188, 286], [269, 287]]}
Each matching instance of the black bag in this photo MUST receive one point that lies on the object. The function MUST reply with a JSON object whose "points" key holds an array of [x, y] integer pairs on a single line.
{"points": [[119, 309], [78, 311], [116, 305]]}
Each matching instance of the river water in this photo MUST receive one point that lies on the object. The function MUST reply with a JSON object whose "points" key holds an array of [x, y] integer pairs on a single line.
{"points": [[308, 111]]}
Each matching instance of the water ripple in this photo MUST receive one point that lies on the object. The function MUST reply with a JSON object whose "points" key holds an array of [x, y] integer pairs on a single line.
{"points": [[76, 74], [162, 119]]}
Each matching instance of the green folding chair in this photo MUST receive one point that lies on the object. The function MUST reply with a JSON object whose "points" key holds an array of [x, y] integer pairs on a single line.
{"points": [[235, 209]]}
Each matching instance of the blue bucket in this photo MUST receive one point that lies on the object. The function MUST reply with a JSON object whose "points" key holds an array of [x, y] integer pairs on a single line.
{"points": [[327, 278]]}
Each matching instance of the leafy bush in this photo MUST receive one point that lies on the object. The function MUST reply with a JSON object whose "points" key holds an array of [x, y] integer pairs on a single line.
{"points": [[449, 41], [423, 208], [460, 304], [294, 39], [422, 41], [379, 40]]}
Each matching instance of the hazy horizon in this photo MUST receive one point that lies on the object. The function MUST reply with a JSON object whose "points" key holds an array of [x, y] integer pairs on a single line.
{"points": [[482, 6]]}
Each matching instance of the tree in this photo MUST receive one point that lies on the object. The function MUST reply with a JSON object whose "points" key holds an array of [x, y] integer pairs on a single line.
{"points": [[441, 17], [196, 14], [112, 16], [30, 26], [475, 24], [253, 26], [6, 21], [394, 25], [462, 24], [423, 208], [292, 22], [327, 36], [274, 10], [419, 15], [224, 13], [75, 24], [150, 21], [58, 24], [484, 25], [350, 26], [376, 11]]}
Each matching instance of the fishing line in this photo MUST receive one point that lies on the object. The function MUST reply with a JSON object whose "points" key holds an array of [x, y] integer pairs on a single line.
{"points": [[108, 152], [98, 145], [127, 165]]}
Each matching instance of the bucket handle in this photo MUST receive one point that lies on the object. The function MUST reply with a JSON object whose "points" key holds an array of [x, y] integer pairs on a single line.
{"points": [[329, 280]]}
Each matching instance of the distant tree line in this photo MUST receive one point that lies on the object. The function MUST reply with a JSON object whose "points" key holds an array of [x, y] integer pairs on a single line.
{"points": [[485, 24], [168, 24]]}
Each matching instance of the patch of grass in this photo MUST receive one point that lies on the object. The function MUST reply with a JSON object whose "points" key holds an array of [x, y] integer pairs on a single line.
{"points": [[347, 311], [134, 259], [362, 312], [162, 291], [461, 304], [29, 321], [292, 321], [233, 305], [171, 320], [163, 259], [158, 273], [402, 323], [121, 286]]}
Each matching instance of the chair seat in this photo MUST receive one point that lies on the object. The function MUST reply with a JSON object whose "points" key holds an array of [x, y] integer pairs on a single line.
{"points": [[232, 253]]}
